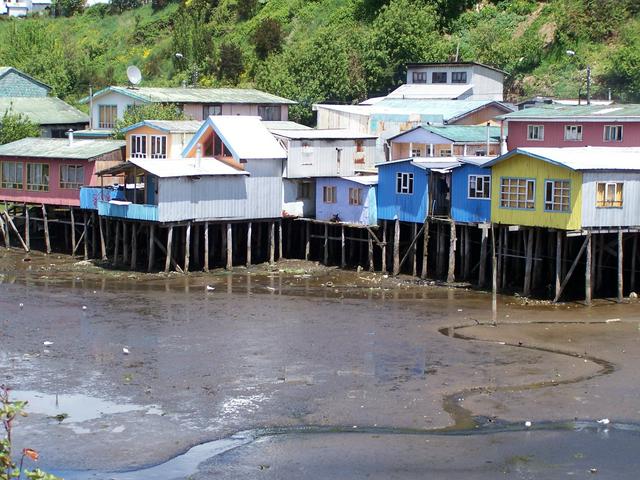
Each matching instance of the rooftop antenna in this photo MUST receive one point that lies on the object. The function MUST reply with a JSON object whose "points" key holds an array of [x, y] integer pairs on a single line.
{"points": [[134, 75]]}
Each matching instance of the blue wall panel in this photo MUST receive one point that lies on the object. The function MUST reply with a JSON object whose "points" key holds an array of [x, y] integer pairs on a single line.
{"points": [[464, 209], [405, 207]]}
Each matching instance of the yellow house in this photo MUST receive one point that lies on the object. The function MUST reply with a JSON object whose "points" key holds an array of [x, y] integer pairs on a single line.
{"points": [[159, 139], [530, 189]]}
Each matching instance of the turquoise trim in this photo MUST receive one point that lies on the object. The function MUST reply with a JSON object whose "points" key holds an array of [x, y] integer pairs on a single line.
{"points": [[124, 91], [144, 123], [209, 123]]}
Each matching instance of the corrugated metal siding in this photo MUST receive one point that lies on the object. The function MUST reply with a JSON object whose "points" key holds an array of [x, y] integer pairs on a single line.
{"points": [[89, 196], [321, 161], [407, 208], [264, 188], [360, 214], [133, 211], [334, 119], [209, 197], [627, 216], [520, 166], [464, 209]]}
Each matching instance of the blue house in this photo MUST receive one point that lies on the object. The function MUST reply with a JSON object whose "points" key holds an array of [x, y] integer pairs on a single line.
{"points": [[413, 188], [471, 191], [347, 199]]}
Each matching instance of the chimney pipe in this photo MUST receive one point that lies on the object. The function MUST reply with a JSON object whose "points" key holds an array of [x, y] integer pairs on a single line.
{"points": [[70, 136]]}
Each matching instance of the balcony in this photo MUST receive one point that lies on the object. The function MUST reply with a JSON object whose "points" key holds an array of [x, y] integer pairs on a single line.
{"points": [[130, 211]]}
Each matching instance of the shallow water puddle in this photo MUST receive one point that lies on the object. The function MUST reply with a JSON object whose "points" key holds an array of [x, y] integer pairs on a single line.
{"points": [[76, 406]]}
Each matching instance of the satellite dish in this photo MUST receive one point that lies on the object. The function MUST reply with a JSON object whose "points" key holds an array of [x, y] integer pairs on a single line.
{"points": [[134, 75]]}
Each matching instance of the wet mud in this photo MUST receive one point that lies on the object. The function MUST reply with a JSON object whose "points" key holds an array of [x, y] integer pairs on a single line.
{"points": [[306, 359]]}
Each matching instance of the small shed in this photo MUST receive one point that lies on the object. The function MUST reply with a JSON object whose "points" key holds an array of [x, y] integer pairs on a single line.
{"points": [[347, 199], [471, 191]]}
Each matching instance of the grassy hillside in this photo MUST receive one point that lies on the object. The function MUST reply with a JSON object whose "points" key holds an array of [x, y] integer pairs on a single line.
{"points": [[334, 50]]}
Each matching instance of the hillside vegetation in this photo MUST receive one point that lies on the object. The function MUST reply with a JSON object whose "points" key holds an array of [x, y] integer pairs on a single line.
{"points": [[332, 50]]}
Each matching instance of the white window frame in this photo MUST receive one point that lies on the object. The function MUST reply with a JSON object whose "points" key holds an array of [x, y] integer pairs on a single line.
{"points": [[573, 133], [15, 182], [355, 196], [539, 129], [608, 129], [557, 192], [419, 77], [138, 145], [446, 78], [606, 203], [270, 112], [415, 152], [111, 118], [465, 76], [32, 184], [329, 194], [211, 110], [445, 152], [404, 183], [158, 143], [518, 183], [482, 193], [71, 176]]}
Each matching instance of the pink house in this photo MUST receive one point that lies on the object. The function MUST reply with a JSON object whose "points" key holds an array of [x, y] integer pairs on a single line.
{"points": [[574, 126], [50, 171]]}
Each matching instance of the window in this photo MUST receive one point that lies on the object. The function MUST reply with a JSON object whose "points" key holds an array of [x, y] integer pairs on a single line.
{"points": [[269, 112], [404, 183], [108, 115], [158, 146], [208, 110], [535, 132], [517, 193], [12, 174], [445, 152], [459, 77], [613, 133], [479, 186], [38, 177], [556, 195], [573, 132], [304, 191], [329, 195], [419, 77], [359, 145], [71, 176], [416, 152], [355, 196], [609, 194], [138, 146], [439, 77]]}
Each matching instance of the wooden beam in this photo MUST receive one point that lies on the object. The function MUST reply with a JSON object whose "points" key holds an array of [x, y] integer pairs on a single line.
{"points": [[451, 273], [634, 253], [13, 227], [414, 266], [167, 252], [370, 251], [27, 224], [134, 246], [249, 244], [494, 263], [573, 267], [116, 248], [85, 234], [78, 244], [307, 242], [587, 272], [558, 263], [125, 243], [528, 262], [196, 245], [620, 271], [482, 273], [103, 247], [384, 246], [206, 246], [272, 243], [396, 247], [152, 247], [425, 249], [343, 246], [280, 252], [412, 245], [3, 229], [94, 242], [73, 232], [229, 265], [326, 244], [467, 252], [187, 246]]}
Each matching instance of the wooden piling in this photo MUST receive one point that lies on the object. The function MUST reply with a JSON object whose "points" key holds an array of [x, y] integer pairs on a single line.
{"points": [[206, 247], [634, 253], [187, 247], [280, 252], [94, 242], [116, 248], [467, 253], [537, 262], [384, 246], [134, 246], [482, 271], [528, 263], [494, 263], [414, 250], [152, 247], [167, 263], [343, 256], [307, 240], [425, 250], [17, 232], [587, 272], [396, 247], [85, 234], [3, 229], [27, 234], [125, 243], [326, 244], [229, 265], [451, 274], [272, 243], [103, 247], [73, 231], [249, 228], [370, 251], [620, 266], [47, 239], [196, 245], [558, 261]]}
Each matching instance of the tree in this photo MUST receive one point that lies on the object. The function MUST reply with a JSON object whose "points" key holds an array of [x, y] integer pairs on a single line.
{"points": [[68, 8], [267, 38], [231, 64], [151, 111], [192, 39], [16, 126], [119, 6], [245, 9]]}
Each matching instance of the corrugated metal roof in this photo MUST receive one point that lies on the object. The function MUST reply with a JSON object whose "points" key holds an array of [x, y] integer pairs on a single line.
{"points": [[575, 112], [246, 137], [447, 110], [43, 110], [363, 179], [195, 95], [453, 64], [351, 109], [478, 161], [102, 133], [581, 158], [427, 163], [284, 125], [429, 91], [322, 134], [60, 148], [185, 167], [172, 126], [466, 133]]}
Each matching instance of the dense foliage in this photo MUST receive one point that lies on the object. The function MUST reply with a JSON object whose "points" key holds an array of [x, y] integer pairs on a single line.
{"points": [[330, 50], [15, 126]]}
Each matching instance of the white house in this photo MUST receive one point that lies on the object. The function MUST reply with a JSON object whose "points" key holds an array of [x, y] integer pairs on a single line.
{"points": [[21, 8]]}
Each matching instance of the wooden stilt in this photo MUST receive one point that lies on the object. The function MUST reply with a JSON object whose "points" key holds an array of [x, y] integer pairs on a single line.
{"points": [[206, 246], [223, 243], [439, 249], [272, 242], [94, 242], [620, 270], [168, 254], [558, 262], [167, 263], [425, 250], [537, 262], [467, 253], [414, 250], [587, 272], [152, 247], [280, 252], [528, 263], [500, 257], [47, 239], [125, 243], [249, 228], [3, 229], [134, 246], [187, 247], [370, 251], [326, 244], [599, 268], [451, 274], [27, 233], [13, 227], [85, 234], [116, 249], [73, 230], [482, 272], [343, 256], [307, 241], [634, 253], [494, 263], [229, 247], [103, 247], [396, 247], [573, 267], [196, 245], [384, 246]]}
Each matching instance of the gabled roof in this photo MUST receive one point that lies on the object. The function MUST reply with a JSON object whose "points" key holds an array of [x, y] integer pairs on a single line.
{"points": [[245, 137], [43, 110], [323, 134], [169, 126], [581, 158], [436, 111], [194, 95], [6, 70], [456, 133], [363, 179], [60, 148], [454, 64], [430, 91], [578, 113], [438, 164]]}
